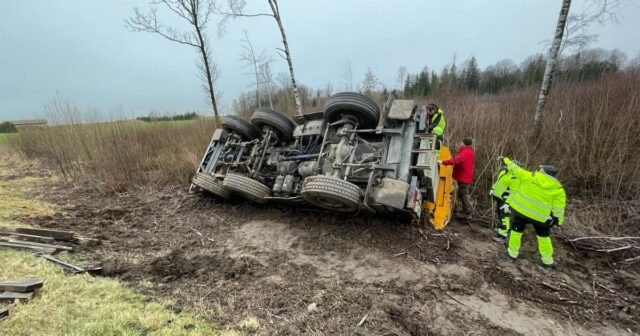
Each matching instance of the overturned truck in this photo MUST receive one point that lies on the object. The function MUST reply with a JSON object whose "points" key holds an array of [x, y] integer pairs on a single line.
{"points": [[346, 158]]}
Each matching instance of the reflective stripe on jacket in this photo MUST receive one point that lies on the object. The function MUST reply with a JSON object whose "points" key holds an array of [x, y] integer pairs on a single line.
{"points": [[437, 123], [539, 197], [505, 184]]}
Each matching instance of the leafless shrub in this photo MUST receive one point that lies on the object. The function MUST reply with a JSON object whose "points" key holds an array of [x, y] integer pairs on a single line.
{"points": [[129, 152]]}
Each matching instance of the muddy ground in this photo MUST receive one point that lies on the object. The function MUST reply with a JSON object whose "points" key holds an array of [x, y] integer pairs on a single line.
{"points": [[301, 272]]}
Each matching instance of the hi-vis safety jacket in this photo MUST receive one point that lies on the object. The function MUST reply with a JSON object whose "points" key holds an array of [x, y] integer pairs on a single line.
{"points": [[437, 123], [539, 197], [505, 184]]}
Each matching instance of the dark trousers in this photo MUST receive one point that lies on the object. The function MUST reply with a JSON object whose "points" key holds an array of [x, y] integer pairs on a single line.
{"points": [[499, 203], [519, 222], [439, 140], [463, 203]]}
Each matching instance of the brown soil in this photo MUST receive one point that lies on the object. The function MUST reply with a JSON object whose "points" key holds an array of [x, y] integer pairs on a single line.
{"points": [[231, 261]]}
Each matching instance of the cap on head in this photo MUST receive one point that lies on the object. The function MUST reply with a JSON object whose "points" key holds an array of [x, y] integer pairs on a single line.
{"points": [[549, 169], [467, 141], [432, 107]]}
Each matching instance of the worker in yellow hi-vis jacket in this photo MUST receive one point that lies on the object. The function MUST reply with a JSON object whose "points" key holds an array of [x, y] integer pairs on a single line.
{"points": [[506, 183], [540, 201], [436, 123]]}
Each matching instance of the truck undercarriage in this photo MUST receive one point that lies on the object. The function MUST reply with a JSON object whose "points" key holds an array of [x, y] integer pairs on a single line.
{"points": [[346, 158]]}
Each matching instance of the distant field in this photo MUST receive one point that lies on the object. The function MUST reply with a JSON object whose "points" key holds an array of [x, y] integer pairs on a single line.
{"points": [[173, 123]]}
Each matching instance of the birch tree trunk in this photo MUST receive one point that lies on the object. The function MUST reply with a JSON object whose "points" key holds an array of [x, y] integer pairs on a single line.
{"points": [[276, 15], [552, 61]]}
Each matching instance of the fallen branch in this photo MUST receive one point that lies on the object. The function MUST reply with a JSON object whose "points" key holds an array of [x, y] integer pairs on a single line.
{"points": [[604, 238], [364, 318], [550, 286]]}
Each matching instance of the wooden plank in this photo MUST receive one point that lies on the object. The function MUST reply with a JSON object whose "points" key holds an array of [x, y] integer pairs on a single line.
{"points": [[55, 234], [12, 296], [38, 239], [22, 285], [26, 247], [57, 247], [4, 312]]}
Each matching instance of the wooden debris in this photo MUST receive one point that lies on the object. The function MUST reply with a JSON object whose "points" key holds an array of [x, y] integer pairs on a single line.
{"points": [[68, 266], [400, 254], [12, 296], [28, 237], [50, 246], [4, 312], [57, 235], [87, 241], [21, 286], [26, 247]]}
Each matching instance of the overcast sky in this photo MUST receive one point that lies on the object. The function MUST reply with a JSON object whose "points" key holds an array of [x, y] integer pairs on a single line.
{"points": [[81, 50]]}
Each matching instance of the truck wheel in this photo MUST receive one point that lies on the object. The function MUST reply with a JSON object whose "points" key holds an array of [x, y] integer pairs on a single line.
{"points": [[331, 193], [361, 107], [247, 187], [275, 120], [241, 127], [211, 184]]}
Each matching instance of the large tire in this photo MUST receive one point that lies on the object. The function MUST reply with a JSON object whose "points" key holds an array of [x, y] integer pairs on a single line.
{"points": [[247, 187], [275, 120], [241, 127], [331, 193], [211, 184], [361, 107]]}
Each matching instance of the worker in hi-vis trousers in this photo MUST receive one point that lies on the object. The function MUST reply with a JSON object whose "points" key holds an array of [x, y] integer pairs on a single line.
{"points": [[540, 201], [505, 184]]}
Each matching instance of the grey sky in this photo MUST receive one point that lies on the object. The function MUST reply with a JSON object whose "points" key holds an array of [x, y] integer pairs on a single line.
{"points": [[82, 51]]}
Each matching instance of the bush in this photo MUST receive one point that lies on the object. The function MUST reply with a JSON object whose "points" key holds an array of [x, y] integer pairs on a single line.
{"points": [[7, 127], [118, 153], [590, 133]]}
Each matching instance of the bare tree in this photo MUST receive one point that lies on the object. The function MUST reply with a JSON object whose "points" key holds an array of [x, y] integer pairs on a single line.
{"points": [[253, 61], [196, 13], [347, 76], [328, 89], [266, 77], [402, 75], [235, 10], [604, 10]]}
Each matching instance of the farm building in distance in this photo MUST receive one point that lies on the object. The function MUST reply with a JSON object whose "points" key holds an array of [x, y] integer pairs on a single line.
{"points": [[29, 123]]}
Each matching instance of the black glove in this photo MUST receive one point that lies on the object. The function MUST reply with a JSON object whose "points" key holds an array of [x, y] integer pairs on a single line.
{"points": [[555, 221]]}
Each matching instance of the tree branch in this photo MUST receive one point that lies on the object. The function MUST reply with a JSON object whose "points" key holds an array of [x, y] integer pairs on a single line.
{"points": [[148, 22]]}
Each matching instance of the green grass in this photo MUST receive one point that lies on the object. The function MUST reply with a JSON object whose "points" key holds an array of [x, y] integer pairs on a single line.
{"points": [[4, 137], [84, 305]]}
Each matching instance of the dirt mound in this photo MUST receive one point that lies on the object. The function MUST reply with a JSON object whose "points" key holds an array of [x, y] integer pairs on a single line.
{"points": [[176, 265]]}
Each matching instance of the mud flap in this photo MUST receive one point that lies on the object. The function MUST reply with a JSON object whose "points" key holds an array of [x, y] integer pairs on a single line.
{"points": [[441, 209]]}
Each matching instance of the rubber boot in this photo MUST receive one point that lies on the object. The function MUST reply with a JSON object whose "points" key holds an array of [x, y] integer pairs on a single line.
{"points": [[545, 247], [503, 230]]}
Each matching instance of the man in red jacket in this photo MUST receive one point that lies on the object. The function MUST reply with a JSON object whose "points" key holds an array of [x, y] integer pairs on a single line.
{"points": [[463, 174]]}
